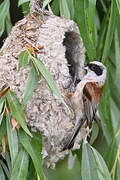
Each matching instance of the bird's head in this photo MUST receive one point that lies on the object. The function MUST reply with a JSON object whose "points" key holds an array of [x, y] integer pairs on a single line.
{"points": [[96, 71]]}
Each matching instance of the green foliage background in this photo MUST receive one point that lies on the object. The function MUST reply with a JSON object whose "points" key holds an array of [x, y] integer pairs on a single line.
{"points": [[99, 25]]}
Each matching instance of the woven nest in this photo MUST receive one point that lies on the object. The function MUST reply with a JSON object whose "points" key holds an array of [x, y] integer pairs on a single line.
{"points": [[61, 42]]}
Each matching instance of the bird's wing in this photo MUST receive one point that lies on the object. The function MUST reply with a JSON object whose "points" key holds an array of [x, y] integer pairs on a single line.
{"points": [[91, 97]]}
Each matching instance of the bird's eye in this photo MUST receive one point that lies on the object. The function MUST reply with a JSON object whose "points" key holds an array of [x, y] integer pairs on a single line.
{"points": [[91, 67], [97, 69]]}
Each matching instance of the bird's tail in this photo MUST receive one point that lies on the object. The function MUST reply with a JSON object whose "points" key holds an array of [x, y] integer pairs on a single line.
{"points": [[70, 141]]}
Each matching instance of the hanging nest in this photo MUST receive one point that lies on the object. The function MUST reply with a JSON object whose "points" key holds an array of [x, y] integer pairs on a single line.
{"points": [[62, 45]]}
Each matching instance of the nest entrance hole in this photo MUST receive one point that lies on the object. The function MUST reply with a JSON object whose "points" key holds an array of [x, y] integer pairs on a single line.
{"points": [[72, 43]]}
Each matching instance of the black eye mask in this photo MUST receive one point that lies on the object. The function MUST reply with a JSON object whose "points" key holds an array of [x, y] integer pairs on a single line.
{"points": [[96, 68]]}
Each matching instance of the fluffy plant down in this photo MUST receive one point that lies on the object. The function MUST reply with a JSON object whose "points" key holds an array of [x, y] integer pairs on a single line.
{"points": [[44, 111]]}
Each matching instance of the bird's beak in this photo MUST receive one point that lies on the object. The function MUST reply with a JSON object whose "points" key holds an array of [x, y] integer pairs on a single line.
{"points": [[86, 68]]}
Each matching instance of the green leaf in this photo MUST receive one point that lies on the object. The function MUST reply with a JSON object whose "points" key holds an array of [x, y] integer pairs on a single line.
{"points": [[102, 169], [45, 3], [93, 165], [117, 49], [88, 164], [55, 7], [110, 31], [1, 117], [20, 2], [64, 10], [5, 168], [1, 111], [31, 84], [1, 106], [8, 24], [2, 26], [2, 176], [118, 5], [34, 148], [105, 114], [118, 169], [17, 111], [2, 98], [4, 10], [50, 81], [110, 153], [95, 131], [23, 59], [20, 169], [6, 156], [26, 8], [71, 160], [12, 139], [2, 128], [31, 171], [71, 8], [82, 22], [102, 35], [91, 19]]}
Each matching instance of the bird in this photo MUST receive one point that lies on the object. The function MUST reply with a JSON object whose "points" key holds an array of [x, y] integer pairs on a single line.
{"points": [[86, 98]]}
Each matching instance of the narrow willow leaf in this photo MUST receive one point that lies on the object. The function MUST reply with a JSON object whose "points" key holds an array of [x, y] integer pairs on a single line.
{"points": [[91, 19], [104, 5], [118, 169], [4, 10], [49, 9], [12, 139], [101, 167], [26, 8], [102, 35], [105, 114], [118, 5], [115, 92], [117, 48], [1, 106], [2, 98], [17, 111], [23, 59], [64, 10], [3, 92], [88, 164], [2, 128], [45, 3], [71, 8], [2, 176], [117, 54], [55, 7], [31, 84], [97, 28], [71, 160], [31, 171], [1, 117], [20, 169], [5, 168], [34, 148], [50, 81], [110, 31], [95, 131], [20, 2], [2, 26], [93, 165], [6, 156], [111, 153], [8, 24], [81, 20]]}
